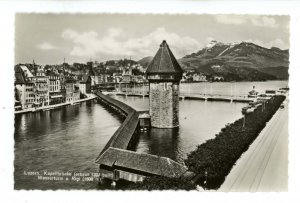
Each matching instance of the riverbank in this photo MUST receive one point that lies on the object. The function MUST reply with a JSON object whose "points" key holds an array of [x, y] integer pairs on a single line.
{"points": [[213, 160], [50, 107], [264, 166]]}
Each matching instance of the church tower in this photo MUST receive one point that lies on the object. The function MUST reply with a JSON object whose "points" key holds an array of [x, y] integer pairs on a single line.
{"points": [[164, 74]]}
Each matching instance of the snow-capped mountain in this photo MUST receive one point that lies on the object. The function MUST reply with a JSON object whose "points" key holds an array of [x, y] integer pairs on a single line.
{"points": [[242, 60]]}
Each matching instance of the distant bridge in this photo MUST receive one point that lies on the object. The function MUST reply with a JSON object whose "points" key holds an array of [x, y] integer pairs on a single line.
{"points": [[194, 96]]}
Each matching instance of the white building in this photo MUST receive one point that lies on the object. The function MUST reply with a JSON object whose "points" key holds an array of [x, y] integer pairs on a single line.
{"points": [[24, 87], [41, 89]]}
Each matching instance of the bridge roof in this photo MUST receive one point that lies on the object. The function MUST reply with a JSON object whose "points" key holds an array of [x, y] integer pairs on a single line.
{"points": [[164, 62], [121, 138], [147, 163]]}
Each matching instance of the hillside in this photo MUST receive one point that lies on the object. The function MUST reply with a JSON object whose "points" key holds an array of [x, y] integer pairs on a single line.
{"points": [[145, 61], [239, 61]]}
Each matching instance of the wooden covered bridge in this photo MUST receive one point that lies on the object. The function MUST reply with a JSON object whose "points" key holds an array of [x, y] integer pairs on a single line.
{"points": [[117, 161]]}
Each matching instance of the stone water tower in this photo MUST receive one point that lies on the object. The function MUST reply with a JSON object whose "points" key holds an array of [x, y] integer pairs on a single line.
{"points": [[164, 74]]}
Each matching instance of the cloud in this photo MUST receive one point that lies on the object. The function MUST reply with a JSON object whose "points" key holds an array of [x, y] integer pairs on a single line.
{"points": [[46, 46], [259, 21], [264, 22], [113, 42], [273, 43], [230, 19]]}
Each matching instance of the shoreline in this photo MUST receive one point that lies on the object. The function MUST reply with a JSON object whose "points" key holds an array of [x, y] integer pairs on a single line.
{"points": [[54, 106]]}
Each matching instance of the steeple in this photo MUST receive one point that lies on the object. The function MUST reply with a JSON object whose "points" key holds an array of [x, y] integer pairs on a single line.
{"points": [[91, 71]]}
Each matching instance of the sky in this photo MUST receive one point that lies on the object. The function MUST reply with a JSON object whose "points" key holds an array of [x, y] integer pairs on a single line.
{"points": [[49, 38]]}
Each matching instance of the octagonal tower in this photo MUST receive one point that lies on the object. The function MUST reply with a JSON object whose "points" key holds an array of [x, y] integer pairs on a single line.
{"points": [[164, 74]]}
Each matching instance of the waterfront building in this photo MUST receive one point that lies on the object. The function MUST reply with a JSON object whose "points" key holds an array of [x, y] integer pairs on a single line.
{"points": [[103, 78], [41, 88], [72, 90], [164, 74], [92, 74], [85, 85], [24, 87], [199, 77], [62, 79], [192, 76], [127, 74], [117, 77], [55, 93], [218, 78]]}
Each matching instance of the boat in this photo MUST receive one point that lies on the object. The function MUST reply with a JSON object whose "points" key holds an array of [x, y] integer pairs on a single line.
{"points": [[48, 109], [250, 110], [253, 94], [244, 109]]}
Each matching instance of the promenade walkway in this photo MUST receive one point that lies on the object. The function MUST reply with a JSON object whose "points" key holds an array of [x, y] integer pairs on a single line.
{"points": [[91, 97], [264, 166]]}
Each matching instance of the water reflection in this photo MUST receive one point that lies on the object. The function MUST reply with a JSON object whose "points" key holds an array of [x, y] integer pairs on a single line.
{"points": [[65, 139], [198, 122], [162, 142]]}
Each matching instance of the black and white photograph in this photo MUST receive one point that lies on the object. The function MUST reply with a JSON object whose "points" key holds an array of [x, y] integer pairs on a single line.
{"points": [[151, 102], [131, 101]]}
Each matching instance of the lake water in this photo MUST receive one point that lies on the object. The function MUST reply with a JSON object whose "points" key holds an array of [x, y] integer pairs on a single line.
{"points": [[70, 138], [199, 121]]}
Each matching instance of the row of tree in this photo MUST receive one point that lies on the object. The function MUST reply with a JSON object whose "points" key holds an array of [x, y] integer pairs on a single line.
{"points": [[212, 161]]}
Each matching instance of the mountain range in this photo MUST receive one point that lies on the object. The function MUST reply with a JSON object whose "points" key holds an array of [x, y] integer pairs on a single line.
{"points": [[244, 61]]}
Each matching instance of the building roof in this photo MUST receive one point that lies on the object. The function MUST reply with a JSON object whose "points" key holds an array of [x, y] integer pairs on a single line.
{"points": [[85, 79], [20, 76], [26, 70], [122, 137], [164, 62], [147, 163]]}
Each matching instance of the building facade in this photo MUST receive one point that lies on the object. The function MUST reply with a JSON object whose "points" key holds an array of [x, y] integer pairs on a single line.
{"points": [[72, 90], [41, 89], [24, 88], [85, 85], [164, 74], [55, 93]]}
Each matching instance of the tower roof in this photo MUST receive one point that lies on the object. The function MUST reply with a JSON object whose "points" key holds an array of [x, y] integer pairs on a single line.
{"points": [[164, 62]]}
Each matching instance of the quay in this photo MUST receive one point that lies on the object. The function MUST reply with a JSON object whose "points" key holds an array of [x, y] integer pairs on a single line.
{"points": [[117, 161], [264, 166], [50, 107]]}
